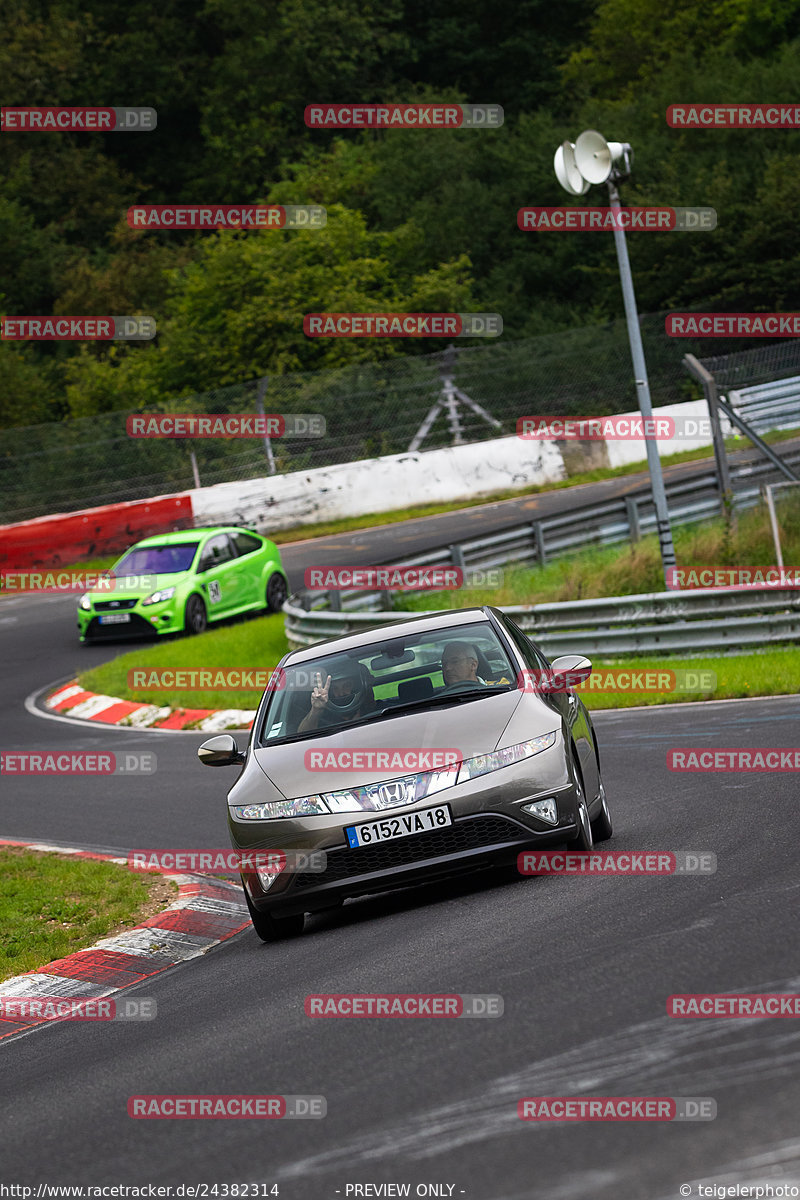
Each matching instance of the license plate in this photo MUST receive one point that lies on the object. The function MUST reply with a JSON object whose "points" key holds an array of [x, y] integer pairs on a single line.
{"points": [[115, 618], [421, 821]]}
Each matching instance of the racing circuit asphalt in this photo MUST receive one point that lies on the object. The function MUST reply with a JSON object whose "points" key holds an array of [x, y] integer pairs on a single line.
{"points": [[585, 967]]}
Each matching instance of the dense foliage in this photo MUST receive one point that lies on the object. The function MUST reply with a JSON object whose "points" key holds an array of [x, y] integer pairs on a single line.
{"points": [[417, 220]]}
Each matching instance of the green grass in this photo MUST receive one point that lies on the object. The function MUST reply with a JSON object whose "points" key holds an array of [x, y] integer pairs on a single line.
{"points": [[627, 570], [51, 906], [257, 643], [769, 673], [774, 672], [412, 512]]}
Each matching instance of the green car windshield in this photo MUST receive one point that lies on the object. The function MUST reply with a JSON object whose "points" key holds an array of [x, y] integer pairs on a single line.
{"points": [[169, 559]]}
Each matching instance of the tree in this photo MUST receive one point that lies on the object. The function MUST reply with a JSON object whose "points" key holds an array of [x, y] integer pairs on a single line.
{"points": [[236, 311]]}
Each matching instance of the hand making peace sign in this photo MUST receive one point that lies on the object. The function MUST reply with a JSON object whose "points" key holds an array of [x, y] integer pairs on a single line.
{"points": [[319, 696]]}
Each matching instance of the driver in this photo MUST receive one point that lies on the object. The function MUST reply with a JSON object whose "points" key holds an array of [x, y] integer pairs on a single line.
{"points": [[343, 696], [460, 664]]}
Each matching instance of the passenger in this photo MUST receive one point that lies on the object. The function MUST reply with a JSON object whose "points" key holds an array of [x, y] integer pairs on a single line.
{"points": [[343, 696]]}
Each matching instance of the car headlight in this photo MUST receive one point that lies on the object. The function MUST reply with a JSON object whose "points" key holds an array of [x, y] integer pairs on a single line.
{"points": [[471, 768], [85, 603], [157, 597], [303, 806], [391, 793]]}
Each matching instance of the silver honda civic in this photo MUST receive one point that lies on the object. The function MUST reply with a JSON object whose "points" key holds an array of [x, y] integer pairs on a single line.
{"points": [[428, 747]]}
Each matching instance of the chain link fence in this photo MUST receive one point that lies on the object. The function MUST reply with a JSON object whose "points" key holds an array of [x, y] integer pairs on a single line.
{"points": [[746, 368], [370, 409]]}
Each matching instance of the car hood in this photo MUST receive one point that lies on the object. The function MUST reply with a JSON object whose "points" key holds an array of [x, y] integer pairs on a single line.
{"points": [[474, 727], [155, 584]]}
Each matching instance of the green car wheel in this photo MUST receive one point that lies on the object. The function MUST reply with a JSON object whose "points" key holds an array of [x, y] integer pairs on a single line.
{"points": [[195, 618], [277, 592]]}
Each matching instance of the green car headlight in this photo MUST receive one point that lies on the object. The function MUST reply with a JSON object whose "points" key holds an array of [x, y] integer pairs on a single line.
{"points": [[471, 768], [157, 597], [85, 603], [302, 806]]}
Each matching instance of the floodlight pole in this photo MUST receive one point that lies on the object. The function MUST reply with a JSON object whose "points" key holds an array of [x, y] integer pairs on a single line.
{"points": [[643, 394]]}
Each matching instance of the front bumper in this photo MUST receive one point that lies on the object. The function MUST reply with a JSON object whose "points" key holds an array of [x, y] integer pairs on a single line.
{"points": [[484, 833], [152, 621]]}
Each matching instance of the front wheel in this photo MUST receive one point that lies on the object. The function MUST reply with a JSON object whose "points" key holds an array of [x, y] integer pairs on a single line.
{"points": [[583, 842], [274, 929], [602, 828], [276, 592], [195, 618]]}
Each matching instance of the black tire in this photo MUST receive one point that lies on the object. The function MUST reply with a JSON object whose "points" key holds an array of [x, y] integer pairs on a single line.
{"points": [[195, 617], [584, 841], [277, 591], [274, 929], [602, 827]]}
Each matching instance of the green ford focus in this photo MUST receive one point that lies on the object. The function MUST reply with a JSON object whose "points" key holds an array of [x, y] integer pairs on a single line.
{"points": [[182, 581]]}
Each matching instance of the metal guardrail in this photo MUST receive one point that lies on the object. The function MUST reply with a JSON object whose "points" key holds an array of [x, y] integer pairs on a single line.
{"points": [[774, 405], [702, 621], [696, 621], [626, 518]]}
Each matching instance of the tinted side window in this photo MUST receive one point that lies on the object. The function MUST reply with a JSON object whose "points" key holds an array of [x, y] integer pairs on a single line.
{"points": [[245, 543], [217, 550], [531, 654]]}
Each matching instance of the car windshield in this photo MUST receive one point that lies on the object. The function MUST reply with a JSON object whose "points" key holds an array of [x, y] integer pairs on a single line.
{"points": [[168, 559], [412, 670]]}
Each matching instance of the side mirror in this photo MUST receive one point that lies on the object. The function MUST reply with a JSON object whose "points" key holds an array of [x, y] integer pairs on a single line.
{"points": [[220, 751], [568, 671]]}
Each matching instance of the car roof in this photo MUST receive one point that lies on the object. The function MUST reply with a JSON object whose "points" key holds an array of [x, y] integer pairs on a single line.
{"points": [[426, 622], [181, 535]]}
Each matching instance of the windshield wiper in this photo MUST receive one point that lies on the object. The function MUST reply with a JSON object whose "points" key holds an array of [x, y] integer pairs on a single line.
{"points": [[411, 706], [438, 701]]}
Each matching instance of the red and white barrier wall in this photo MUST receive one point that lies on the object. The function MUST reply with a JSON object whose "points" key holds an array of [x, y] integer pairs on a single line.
{"points": [[270, 503], [66, 538]]}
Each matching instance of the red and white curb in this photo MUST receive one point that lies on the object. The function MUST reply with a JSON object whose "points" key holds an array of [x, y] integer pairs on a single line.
{"points": [[206, 912], [73, 700]]}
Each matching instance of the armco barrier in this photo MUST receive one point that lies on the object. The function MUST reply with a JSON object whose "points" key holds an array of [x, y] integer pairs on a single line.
{"points": [[66, 538], [624, 518], [701, 621]]}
